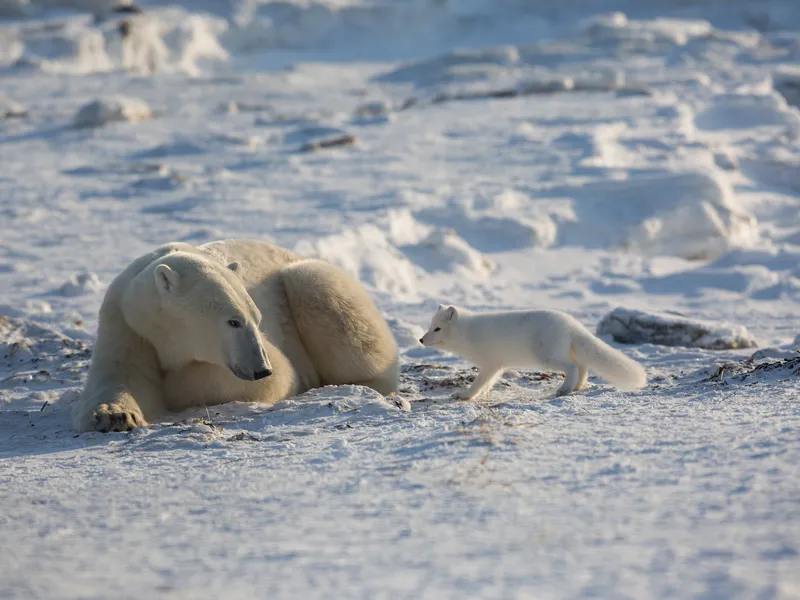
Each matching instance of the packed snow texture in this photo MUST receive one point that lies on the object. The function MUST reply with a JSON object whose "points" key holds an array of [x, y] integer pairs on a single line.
{"points": [[495, 154]]}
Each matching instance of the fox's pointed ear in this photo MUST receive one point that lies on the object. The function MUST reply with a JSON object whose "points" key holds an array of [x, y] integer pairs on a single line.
{"points": [[441, 307], [235, 266], [452, 314], [167, 280]]}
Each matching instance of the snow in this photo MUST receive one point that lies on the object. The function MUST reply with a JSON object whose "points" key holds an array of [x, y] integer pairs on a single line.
{"points": [[10, 109], [495, 154]]}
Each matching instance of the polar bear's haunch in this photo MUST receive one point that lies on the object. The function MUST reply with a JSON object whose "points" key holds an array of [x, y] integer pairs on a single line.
{"points": [[232, 320]]}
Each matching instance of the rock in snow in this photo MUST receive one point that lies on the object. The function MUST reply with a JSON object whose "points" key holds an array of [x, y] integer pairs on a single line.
{"points": [[107, 110], [628, 326]]}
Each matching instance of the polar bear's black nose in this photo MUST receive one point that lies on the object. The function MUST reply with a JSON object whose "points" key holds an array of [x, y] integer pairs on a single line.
{"points": [[261, 374]]}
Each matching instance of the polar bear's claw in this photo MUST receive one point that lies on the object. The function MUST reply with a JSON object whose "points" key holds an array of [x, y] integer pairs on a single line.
{"points": [[117, 418]]}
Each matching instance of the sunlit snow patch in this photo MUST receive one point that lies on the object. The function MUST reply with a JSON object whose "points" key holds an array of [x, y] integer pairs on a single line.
{"points": [[747, 111], [444, 251], [694, 215], [366, 254]]}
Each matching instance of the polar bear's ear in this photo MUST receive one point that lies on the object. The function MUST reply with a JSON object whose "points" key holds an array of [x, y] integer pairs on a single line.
{"points": [[166, 279], [235, 266]]}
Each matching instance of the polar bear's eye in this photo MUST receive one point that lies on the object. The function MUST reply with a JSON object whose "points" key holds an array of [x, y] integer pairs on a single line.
{"points": [[235, 323], [438, 329]]}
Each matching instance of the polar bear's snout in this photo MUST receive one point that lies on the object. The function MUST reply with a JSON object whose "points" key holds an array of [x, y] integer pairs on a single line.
{"points": [[262, 374], [251, 362]]}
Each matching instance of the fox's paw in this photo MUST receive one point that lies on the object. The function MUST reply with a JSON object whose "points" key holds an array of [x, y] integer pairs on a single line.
{"points": [[116, 417], [462, 395]]}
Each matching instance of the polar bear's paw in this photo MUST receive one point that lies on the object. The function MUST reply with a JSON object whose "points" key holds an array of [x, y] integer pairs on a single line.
{"points": [[117, 417]]}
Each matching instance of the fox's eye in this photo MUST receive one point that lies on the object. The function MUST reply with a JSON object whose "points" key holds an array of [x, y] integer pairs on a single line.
{"points": [[235, 323], [438, 329]]}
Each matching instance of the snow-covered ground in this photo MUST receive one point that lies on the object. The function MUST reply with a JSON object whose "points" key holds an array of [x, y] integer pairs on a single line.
{"points": [[489, 153]]}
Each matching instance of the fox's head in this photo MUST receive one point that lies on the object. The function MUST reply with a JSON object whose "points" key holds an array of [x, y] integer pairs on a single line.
{"points": [[441, 327]]}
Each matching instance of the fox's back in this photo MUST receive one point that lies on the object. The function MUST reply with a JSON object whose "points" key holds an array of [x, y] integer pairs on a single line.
{"points": [[521, 337]]}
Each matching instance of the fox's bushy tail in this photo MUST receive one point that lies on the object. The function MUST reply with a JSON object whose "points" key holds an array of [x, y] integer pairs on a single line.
{"points": [[609, 363]]}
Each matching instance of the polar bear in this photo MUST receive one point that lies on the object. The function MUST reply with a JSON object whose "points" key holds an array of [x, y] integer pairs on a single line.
{"points": [[230, 320]]}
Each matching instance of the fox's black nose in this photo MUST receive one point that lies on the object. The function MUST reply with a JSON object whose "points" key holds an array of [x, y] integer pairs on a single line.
{"points": [[261, 374], [420, 341]]}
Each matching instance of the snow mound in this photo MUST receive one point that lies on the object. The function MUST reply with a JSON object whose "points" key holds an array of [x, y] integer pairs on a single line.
{"points": [[778, 167], [406, 334], [95, 6], [786, 81], [327, 23], [10, 109], [163, 39], [395, 251], [170, 40], [14, 8], [782, 258], [70, 46], [367, 254], [402, 228], [509, 220], [740, 279], [453, 66], [108, 110], [38, 358], [444, 250], [628, 326], [81, 284], [763, 274], [179, 145], [694, 215], [648, 35], [341, 400], [747, 111], [11, 48]]}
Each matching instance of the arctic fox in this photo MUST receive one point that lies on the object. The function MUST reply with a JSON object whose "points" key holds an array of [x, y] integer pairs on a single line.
{"points": [[551, 339]]}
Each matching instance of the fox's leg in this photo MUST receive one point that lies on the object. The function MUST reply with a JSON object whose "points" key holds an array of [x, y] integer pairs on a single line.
{"points": [[572, 377], [583, 375], [483, 383]]}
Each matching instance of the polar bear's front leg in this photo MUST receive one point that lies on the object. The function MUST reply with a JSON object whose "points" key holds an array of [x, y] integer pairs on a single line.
{"points": [[124, 384], [115, 399], [107, 406], [119, 416]]}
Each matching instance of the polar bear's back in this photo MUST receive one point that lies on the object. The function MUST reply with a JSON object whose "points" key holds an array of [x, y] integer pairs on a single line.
{"points": [[258, 259]]}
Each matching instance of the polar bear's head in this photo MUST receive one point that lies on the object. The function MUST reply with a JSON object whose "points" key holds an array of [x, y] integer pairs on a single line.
{"points": [[206, 315]]}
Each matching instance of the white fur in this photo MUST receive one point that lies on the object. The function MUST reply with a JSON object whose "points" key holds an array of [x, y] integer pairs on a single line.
{"points": [[232, 320], [547, 339]]}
